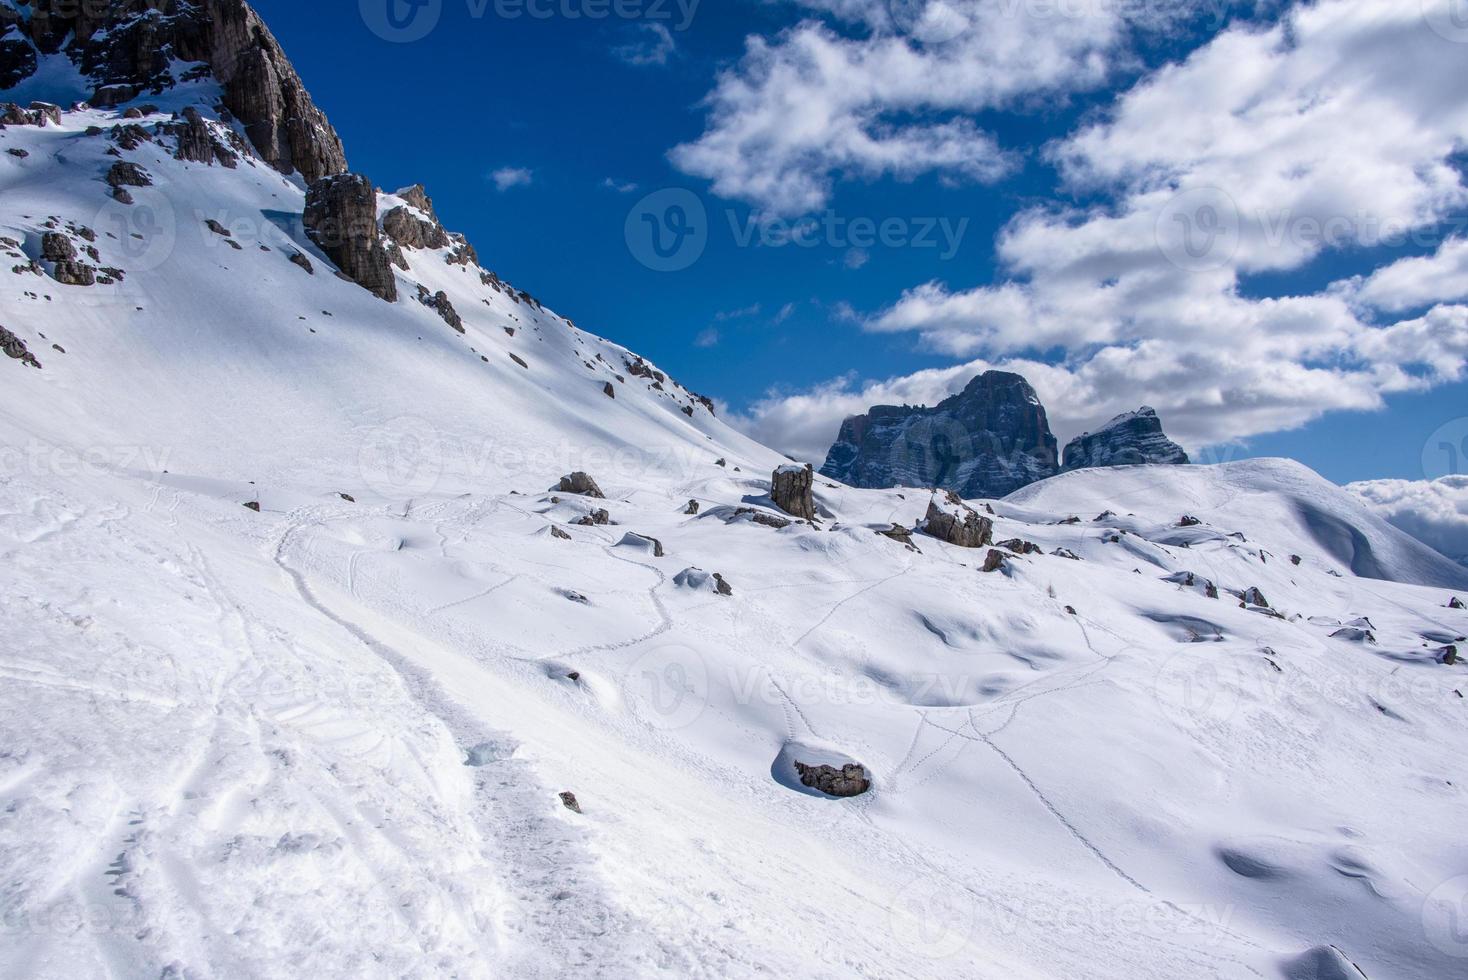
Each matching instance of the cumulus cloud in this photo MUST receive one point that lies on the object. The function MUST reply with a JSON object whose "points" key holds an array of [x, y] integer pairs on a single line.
{"points": [[1250, 155], [508, 177], [888, 88], [1435, 512]]}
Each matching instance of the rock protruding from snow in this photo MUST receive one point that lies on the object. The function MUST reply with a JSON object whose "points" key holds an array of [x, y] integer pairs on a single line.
{"points": [[987, 441], [66, 267], [958, 524], [409, 230], [848, 781], [13, 347], [341, 217], [1455, 603], [581, 484], [792, 489], [1127, 440], [699, 580]]}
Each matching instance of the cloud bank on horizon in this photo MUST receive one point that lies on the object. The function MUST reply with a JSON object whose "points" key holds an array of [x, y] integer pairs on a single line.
{"points": [[1435, 511], [1296, 134]]}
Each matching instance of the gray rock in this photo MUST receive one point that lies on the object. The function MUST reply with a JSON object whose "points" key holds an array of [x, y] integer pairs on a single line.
{"points": [[963, 527], [848, 781], [791, 488], [995, 561], [582, 484], [569, 801], [1455, 603], [987, 441], [67, 268], [1127, 440], [341, 218], [410, 231], [693, 507], [13, 347]]}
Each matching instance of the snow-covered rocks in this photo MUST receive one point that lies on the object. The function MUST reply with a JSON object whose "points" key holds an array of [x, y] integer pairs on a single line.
{"points": [[958, 524], [1131, 439], [66, 267], [15, 348], [643, 543], [698, 580]]}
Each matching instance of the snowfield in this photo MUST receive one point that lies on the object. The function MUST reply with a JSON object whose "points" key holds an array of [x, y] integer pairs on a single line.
{"points": [[327, 737]]}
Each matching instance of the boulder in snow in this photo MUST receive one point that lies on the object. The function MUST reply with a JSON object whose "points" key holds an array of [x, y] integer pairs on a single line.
{"points": [[848, 781], [582, 484], [961, 526], [791, 488]]}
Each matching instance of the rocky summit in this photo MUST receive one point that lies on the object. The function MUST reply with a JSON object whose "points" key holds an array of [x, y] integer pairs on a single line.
{"points": [[1127, 440], [987, 441]]}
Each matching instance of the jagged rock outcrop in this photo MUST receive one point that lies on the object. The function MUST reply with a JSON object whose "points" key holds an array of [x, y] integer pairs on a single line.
{"points": [[957, 524], [66, 267], [128, 48], [341, 217], [198, 143], [1127, 440], [410, 231], [987, 441], [791, 488], [439, 302]]}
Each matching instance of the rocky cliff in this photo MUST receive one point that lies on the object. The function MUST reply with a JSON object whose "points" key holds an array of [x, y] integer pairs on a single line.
{"points": [[128, 48], [987, 441], [1126, 440]]}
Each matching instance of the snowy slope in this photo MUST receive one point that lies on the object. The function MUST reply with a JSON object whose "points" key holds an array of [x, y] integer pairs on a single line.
{"points": [[327, 738]]}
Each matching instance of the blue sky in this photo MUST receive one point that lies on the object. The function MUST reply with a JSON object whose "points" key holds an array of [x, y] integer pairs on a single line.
{"points": [[983, 145]]}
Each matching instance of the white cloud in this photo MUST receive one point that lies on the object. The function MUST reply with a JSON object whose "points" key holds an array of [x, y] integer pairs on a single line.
{"points": [[816, 103], [508, 177], [708, 337], [1435, 512], [855, 258], [649, 50], [1260, 151], [740, 314], [786, 312], [1416, 282], [620, 186]]}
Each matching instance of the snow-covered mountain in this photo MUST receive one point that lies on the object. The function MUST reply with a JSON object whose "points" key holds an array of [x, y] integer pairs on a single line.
{"points": [[1132, 439], [991, 438], [307, 636]]}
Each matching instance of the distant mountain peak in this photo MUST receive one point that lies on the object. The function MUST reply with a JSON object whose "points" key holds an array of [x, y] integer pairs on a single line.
{"points": [[989, 440]]}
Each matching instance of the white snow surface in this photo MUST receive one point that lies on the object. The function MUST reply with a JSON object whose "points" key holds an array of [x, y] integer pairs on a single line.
{"points": [[328, 738]]}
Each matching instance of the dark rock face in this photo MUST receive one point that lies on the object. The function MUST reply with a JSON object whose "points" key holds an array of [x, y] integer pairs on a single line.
{"points": [[962, 526], [581, 484], [67, 268], [791, 487], [197, 142], [17, 57], [127, 48], [1127, 440], [1455, 603], [341, 217], [128, 175], [850, 780], [987, 441], [995, 561]]}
